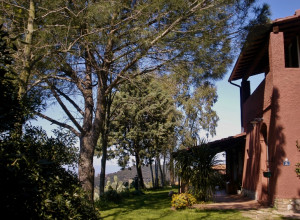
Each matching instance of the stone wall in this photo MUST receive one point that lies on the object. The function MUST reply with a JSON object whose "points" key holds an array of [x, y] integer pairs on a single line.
{"points": [[287, 205]]}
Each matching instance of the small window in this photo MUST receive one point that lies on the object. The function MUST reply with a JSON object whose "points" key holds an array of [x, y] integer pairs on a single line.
{"points": [[292, 53]]}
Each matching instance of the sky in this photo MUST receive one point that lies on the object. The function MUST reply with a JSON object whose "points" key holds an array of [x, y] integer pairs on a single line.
{"points": [[228, 104]]}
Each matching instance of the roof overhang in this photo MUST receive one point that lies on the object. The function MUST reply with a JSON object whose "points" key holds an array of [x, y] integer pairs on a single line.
{"points": [[253, 58], [229, 142], [222, 144]]}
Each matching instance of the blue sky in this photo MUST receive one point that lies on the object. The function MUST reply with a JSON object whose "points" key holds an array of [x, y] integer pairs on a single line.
{"points": [[228, 105]]}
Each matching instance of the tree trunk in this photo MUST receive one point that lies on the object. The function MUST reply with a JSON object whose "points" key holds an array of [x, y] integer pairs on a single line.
{"points": [[179, 185], [104, 139], [93, 126], [139, 171], [86, 170], [164, 169], [103, 167], [171, 169], [156, 174], [160, 170], [27, 50], [25, 73], [151, 170]]}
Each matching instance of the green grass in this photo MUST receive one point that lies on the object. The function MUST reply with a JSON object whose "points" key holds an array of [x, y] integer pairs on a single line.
{"points": [[157, 205]]}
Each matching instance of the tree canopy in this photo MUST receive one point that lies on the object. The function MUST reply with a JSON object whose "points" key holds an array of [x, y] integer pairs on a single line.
{"points": [[86, 49], [145, 120]]}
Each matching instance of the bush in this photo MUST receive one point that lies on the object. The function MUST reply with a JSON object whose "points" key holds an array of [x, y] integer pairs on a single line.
{"points": [[194, 166], [111, 196], [116, 185], [183, 200], [35, 185]]}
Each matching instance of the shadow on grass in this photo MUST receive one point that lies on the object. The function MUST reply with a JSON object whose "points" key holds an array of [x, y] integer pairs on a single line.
{"points": [[152, 200], [217, 214]]}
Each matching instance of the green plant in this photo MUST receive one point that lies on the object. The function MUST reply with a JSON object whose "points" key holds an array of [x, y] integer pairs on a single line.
{"points": [[111, 196], [35, 184], [116, 185], [194, 166], [183, 200]]}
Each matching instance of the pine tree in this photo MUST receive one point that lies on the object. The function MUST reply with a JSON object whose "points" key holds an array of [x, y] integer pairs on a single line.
{"points": [[144, 122], [83, 50]]}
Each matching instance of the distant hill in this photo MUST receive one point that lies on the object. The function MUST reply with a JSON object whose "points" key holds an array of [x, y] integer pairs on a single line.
{"points": [[129, 173]]}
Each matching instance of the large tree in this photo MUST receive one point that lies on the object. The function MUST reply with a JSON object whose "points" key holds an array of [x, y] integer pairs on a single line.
{"points": [[94, 46], [34, 180], [144, 121], [24, 22]]}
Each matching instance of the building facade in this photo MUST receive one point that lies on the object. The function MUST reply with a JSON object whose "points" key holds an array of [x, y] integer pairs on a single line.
{"points": [[270, 116]]}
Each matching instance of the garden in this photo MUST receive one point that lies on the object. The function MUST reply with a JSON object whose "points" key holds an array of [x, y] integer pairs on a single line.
{"points": [[127, 80], [156, 204]]}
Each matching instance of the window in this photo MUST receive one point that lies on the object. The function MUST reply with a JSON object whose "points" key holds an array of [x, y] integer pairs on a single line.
{"points": [[292, 53]]}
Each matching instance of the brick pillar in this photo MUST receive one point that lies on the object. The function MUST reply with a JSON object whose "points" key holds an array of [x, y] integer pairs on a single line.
{"points": [[276, 52], [244, 94]]}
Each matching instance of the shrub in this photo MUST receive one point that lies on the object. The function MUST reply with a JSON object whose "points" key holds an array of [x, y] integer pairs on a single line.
{"points": [[35, 184], [194, 166], [183, 200], [111, 196], [116, 185]]}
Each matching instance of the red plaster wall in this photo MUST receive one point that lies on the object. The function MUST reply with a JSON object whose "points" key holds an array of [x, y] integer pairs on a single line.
{"points": [[285, 122], [258, 105], [277, 101], [287, 131]]}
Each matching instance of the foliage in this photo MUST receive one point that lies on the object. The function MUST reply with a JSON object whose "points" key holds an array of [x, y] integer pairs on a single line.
{"points": [[89, 48], [11, 107], [35, 183], [117, 186], [194, 166], [18, 22], [8, 94], [298, 164], [145, 113], [198, 112], [183, 200], [111, 196], [145, 120]]}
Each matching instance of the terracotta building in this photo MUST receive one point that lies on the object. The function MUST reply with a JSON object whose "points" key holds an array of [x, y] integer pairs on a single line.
{"points": [[270, 116]]}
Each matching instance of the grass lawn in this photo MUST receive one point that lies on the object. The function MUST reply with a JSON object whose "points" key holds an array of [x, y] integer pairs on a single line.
{"points": [[157, 205]]}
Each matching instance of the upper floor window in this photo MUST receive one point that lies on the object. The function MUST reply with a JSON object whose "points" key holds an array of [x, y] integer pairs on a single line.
{"points": [[292, 52]]}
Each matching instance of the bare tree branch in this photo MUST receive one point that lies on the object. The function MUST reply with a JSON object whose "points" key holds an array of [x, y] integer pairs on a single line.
{"points": [[70, 100], [66, 110], [17, 6], [50, 12], [64, 125]]}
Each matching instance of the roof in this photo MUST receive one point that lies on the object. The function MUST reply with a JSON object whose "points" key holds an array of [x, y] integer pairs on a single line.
{"points": [[222, 144], [229, 142], [254, 56]]}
